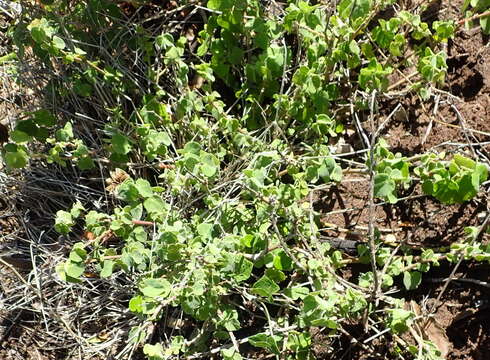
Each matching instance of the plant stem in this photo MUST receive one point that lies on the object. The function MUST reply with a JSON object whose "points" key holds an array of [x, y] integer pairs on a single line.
{"points": [[474, 17]]}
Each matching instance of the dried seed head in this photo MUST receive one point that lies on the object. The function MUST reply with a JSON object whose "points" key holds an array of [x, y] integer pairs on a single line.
{"points": [[118, 176]]}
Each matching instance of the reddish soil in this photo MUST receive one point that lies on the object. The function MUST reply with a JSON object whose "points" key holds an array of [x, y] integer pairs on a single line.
{"points": [[461, 114]]}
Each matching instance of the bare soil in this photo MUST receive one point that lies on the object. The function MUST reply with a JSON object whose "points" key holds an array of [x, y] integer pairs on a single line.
{"points": [[459, 116]]}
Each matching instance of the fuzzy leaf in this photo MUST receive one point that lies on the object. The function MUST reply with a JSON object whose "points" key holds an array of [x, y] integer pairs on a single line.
{"points": [[265, 287]]}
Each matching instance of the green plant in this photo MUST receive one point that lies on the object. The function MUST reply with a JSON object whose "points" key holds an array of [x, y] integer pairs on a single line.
{"points": [[226, 140], [478, 10], [391, 172], [450, 182]]}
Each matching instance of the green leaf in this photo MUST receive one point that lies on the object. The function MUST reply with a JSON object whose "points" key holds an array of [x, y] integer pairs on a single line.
{"points": [[85, 163], [354, 48], [63, 222], [41, 30], [208, 171], [361, 8], [206, 71], [164, 41], [399, 320], [456, 182], [229, 319], [27, 126], [93, 218], [265, 287], [8, 57], [366, 279], [74, 269], [120, 144], [60, 270], [162, 137], [266, 341], [77, 209], [144, 188], [463, 161], [177, 345], [58, 42], [205, 230], [136, 212], [107, 268], [411, 280], [330, 171], [230, 354], [16, 160], [154, 205], [354, 9], [81, 150], [299, 343], [19, 137], [444, 30], [127, 191], [135, 304], [218, 4], [237, 266], [282, 261], [155, 287], [65, 133], [154, 352], [41, 134], [296, 292], [78, 254], [317, 311], [384, 188], [479, 175], [485, 25], [174, 53], [44, 118], [387, 281], [209, 165], [275, 275], [243, 269], [191, 148], [374, 76]]}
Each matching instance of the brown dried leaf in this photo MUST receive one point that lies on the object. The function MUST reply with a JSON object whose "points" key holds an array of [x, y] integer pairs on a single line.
{"points": [[437, 335], [118, 176], [432, 331]]}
